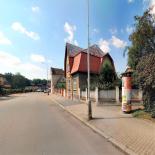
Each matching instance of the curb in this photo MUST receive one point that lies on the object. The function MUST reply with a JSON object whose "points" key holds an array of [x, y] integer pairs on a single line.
{"points": [[114, 142]]}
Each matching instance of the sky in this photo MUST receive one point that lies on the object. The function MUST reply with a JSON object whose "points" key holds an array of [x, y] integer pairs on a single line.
{"points": [[33, 33]]}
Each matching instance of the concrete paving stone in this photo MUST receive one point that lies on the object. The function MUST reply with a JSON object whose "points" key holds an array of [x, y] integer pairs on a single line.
{"points": [[137, 134]]}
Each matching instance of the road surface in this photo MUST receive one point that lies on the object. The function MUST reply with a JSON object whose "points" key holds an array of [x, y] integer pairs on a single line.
{"points": [[31, 124]]}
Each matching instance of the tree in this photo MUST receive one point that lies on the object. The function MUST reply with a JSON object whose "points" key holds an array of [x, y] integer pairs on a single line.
{"points": [[39, 82], [9, 78], [142, 38], [141, 56], [1, 91], [19, 81], [107, 74], [106, 78], [146, 79]]}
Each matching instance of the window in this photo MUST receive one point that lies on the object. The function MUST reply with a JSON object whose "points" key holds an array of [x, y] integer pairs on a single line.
{"points": [[75, 84]]}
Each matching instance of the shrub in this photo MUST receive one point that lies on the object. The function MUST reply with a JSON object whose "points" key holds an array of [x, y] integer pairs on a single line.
{"points": [[153, 113]]}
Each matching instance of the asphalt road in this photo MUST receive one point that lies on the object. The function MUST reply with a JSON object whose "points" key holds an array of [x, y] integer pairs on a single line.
{"points": [[30, 124]]}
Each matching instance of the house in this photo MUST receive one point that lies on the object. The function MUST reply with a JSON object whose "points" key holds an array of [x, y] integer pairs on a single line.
{"points": [[75, 66], [57, 78]]}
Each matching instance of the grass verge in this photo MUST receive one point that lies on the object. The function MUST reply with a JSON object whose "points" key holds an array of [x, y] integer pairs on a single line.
{"points": [[140, 113]]}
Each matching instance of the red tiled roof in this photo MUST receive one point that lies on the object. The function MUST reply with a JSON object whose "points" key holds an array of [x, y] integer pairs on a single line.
{"points": [[80, 63], [78, 58], [71, 61]]}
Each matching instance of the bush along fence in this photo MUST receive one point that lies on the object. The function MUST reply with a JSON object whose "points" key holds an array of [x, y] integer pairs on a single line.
{"points": [[101, 96]]}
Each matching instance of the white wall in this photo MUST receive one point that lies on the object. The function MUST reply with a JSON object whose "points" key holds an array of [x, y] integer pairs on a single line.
{"points": [[111, 95], [107, 94]]}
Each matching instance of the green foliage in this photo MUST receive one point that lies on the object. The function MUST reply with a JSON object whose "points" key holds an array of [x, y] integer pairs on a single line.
{"points": [[142, 38], [106, 78], [17, 81], [118, 81], [107, 75], [61, 85], [12, 91], [1, 91], [38, 82], [145, 71], [153, 114], [139, 113], [144, 114], [9, 77], [141, 57]]}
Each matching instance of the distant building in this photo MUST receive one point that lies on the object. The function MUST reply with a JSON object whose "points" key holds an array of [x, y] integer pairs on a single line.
{"points": [[57, 78], [3, 82], [75, 66]]}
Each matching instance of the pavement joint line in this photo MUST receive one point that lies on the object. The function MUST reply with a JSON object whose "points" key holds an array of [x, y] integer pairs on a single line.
{"points": [[114, 142]]}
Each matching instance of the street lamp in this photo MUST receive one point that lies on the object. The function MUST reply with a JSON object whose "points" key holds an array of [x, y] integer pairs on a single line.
{"points": [[88, 71]]}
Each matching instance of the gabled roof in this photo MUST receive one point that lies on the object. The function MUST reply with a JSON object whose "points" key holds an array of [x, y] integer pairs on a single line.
{"points": [[72, 49], [78, 58], [57, 71], [95, 50]]}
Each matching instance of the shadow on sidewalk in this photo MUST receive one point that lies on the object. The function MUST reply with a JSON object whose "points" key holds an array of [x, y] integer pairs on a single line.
{"points": [[103, 118]]}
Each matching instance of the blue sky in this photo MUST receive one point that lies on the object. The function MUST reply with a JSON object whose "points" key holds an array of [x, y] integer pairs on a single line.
{"points": [[33, 32]]}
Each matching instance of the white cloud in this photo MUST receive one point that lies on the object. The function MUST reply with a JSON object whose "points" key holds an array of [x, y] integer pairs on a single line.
{"points": [[70, 29], [130, 1], [4, 40], [150, 4], [8, 59], [129, 29], [153, 11], [104, 45], [11, 63], [118, 43], [35, 9], [32, 71], [37, 58], [16, 26], [75, 42], [113, 31]]}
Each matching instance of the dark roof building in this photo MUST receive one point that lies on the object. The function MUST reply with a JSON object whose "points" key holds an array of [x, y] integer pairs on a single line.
{"points": [[75, 66], [57, 76], [57, 71]]}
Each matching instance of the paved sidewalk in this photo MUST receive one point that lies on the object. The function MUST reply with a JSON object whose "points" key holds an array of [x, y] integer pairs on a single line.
{"points": [[134, 136]]}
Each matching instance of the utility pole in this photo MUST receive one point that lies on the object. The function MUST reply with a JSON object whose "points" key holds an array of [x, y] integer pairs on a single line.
{"points": [[88, 70], [47, 80], [46, 65], [47, 75]]}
